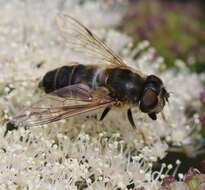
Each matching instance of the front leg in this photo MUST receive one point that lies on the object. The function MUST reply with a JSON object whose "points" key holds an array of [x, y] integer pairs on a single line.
{"points": [[131, 120]]}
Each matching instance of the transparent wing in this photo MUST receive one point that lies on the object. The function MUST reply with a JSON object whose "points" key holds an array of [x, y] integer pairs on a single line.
{"points": [[62, 104], [81, 39]]}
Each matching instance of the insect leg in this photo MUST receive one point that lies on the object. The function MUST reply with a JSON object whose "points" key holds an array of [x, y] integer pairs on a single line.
{"points": [[130, 118], [105, 112]]}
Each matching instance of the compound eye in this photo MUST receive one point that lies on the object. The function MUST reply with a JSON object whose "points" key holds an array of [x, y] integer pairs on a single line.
{"points": [[149, 100]]}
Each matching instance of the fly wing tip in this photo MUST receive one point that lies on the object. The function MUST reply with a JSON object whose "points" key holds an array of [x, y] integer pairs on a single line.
{"points": [[61, 18]]}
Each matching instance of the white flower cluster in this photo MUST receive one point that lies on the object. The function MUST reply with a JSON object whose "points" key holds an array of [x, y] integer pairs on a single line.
{"points": [[83, 153]]}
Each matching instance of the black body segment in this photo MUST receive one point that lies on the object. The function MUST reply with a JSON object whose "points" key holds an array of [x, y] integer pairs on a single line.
{"points": [[47, 82], [83, 74], [125, 85], [68, 75], [56, 79], [61, 77]]}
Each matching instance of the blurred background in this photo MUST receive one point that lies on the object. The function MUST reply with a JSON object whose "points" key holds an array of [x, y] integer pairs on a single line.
{"points": [[174, 27]]}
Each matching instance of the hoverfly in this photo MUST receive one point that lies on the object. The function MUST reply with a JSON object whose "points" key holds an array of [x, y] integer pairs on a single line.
{"points": [[76, 89]]}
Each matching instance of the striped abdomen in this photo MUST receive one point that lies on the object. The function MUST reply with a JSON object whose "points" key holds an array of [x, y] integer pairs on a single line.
{"points": [[69, 75], [122, 83]]}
